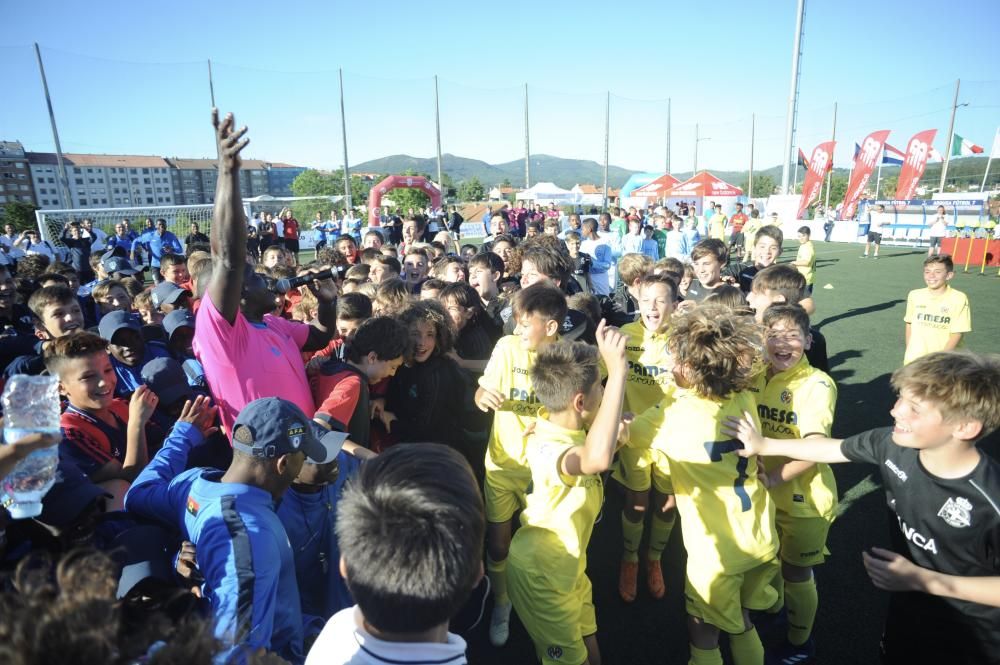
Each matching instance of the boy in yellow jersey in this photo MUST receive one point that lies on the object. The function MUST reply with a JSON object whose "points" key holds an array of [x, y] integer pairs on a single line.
{"points": [[717, 223], [805, 258], [548, 556], [727, 518], [506, 388], [797, 402], [938, 316], [650, 381]]}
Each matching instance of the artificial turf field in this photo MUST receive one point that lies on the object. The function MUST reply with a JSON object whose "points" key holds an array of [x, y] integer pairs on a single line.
{"points": [[861, 317]]}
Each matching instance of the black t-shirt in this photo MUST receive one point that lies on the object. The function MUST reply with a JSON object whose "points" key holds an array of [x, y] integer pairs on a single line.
{"points": [[948, 525], [743, 273], [697, 291]]}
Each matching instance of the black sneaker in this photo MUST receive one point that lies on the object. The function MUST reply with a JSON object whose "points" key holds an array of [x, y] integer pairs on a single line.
{"points": [[790, 654]]}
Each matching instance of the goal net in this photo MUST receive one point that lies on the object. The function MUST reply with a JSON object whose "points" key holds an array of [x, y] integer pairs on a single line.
{"points": [[178, 218], [304, 209]]}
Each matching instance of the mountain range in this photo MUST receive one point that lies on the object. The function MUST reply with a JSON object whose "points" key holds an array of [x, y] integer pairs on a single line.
{"points": [[568, 172]]}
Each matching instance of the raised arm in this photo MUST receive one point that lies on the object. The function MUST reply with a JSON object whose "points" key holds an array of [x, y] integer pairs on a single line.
{"points": [[229, 225], [815, 449]]}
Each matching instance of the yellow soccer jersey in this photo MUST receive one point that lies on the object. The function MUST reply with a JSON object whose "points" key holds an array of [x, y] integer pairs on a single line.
{"points": [[795, 404], [507, 373], [557, 523], [727, 517], [807, 254], [717, 227], [750, 230], [933, 318], [650, 368]]}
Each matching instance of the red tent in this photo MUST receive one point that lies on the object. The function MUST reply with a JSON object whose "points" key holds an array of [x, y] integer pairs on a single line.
{"points": [[704, 184], [656, 188]]}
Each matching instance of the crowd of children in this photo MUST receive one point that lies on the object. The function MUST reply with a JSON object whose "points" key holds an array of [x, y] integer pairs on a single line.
{"points": [[331, 473]]}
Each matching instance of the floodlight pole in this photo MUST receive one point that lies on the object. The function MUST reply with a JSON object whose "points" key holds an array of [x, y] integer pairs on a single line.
{"points": [[343, 135], [527, 145], [607, 133], [667, 164], [694, 171], [951, 138], [63, 178], [793, 98], [437, 125], [753, 132]]}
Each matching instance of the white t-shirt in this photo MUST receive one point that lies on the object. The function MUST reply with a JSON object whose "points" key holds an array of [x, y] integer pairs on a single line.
{"points": [[939, 228], [344, 641]]}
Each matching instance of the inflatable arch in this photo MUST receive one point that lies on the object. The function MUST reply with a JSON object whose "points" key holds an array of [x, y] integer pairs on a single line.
{"points": [[400, 182]]}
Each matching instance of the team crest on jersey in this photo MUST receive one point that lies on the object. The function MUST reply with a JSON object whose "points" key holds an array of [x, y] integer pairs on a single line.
{"points": [[554, 652], [786, 397], [957, 512]]}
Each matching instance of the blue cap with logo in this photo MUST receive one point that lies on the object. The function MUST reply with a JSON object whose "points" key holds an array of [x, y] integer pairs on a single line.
{"points": [[179, 318], [112, 322], [114, 264], [167, 293], [270, 427]]}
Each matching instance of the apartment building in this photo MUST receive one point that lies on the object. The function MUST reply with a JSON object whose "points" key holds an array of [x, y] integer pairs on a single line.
{"points": [[101, 181], [15, 175]]}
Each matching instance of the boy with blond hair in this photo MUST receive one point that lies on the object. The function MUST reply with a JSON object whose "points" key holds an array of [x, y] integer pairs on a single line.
{"points": [[573, 442], [506, 388], [727, 517], [943, 569], [650, 382], [623, 306], [937, 316]]}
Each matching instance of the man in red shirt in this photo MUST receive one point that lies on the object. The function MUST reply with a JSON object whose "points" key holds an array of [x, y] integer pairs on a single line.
{"points": [[290, 234], [737, 242]]}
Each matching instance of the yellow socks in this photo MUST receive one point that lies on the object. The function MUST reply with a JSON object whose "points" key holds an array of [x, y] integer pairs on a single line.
{"points": [[705, 656], [779, 585], [801, 599], [497, 571], [632, 531], [659, 534], [747, 648]]}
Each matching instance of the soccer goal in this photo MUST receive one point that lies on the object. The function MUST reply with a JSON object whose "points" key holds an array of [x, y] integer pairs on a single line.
{"points": [[178, 218]]}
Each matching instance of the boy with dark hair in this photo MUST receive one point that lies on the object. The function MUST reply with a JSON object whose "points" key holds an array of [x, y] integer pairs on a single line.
{"points": [[708, 257], [485, 271], [55, 313], [506, 388], [650, 382], [383, 268], [173, 269], [764, 251], [103, 435], [942, 570], [406, 591], [623, 307], [727, 518], [937, 316], [340, 386], [540, 262], [573, 442], [782, 283], [805, 258], [797, 401]]}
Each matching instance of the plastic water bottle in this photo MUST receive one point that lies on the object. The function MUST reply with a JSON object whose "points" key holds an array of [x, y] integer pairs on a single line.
{"points": [[30, 405]]}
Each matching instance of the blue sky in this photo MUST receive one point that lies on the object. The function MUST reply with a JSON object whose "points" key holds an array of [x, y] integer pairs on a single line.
{"points": [[130, 77]]}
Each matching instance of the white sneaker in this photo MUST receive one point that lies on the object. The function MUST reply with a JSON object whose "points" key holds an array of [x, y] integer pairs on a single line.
{"points": [[500, 624]]}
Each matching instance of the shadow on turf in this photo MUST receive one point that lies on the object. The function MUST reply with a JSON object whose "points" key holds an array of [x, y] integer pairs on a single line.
{"points": [[859, 311]]}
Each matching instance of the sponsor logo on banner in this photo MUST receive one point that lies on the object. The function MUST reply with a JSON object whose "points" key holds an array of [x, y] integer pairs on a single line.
{"points": [[864, 164], [917, 152], [821, 157]]}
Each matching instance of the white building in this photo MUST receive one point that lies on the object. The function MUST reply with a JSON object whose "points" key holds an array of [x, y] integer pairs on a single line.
{"points": [[101, 181]]}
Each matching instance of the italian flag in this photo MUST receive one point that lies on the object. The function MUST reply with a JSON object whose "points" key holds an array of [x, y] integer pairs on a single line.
{"points": [[964, 147]]}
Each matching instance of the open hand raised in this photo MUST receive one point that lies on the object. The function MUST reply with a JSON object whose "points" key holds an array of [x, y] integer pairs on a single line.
{"points": [[228, 140]]}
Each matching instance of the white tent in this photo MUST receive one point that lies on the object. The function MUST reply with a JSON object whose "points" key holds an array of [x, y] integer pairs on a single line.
{"points": [[582, 198], [546, 193]]}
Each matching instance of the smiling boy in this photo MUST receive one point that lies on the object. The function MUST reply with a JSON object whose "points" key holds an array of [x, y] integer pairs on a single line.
{"points": [[937, 316], [943, 492]]}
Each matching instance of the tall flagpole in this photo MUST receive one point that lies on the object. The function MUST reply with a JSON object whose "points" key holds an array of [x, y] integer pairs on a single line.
{"points": [[951, 137], [793, 99], [437, 125], [527, 145], [607, 133], [63, 178], [696, 139], [995, 148], [667, 164], [211, 86], [795, 175], [753, 132], [829, 174], [343, 135], [878, 179]]}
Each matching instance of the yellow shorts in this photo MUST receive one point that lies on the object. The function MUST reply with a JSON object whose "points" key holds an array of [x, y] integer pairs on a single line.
{"points": [[803, 539], [556, 619], [661, 472], [718, 598], [505, 491]]}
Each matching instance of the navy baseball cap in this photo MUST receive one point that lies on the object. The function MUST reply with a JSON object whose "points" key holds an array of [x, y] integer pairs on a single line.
{"points": [[167, 293], [166, 378], [114, 264], [271, 427], [112, 322], [179, 318]]}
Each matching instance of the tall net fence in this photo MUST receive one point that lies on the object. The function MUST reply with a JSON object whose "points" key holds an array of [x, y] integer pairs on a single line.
{"points": [[295, 118], [51, 223]]}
